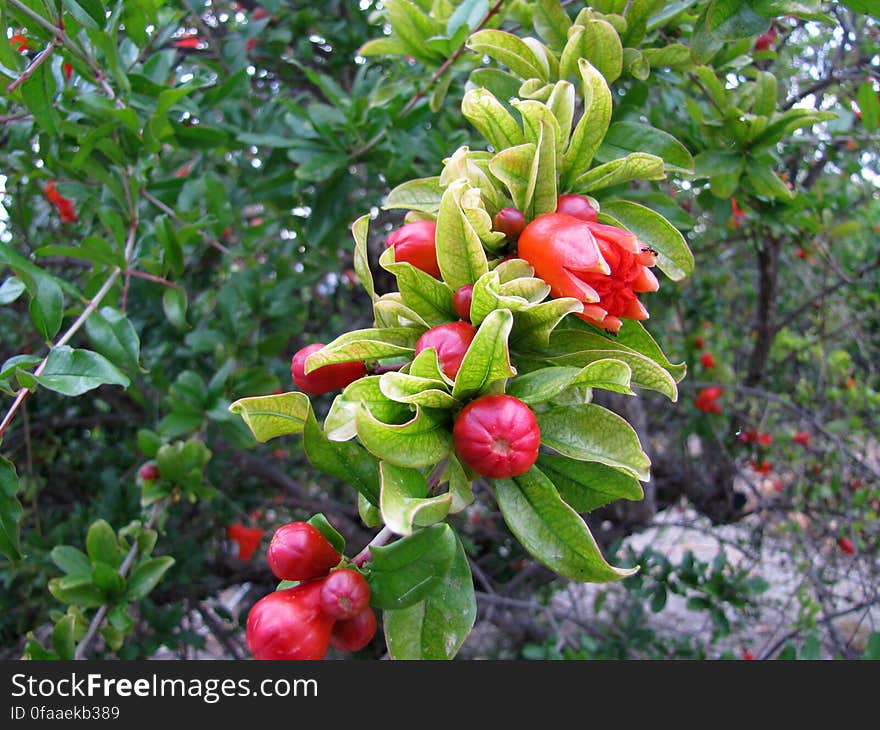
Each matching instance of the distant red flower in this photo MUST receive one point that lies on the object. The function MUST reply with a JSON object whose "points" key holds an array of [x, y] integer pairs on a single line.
{"points": [[800, 252], [259, 13], [765, 40], [19, 42], [707, 400], [802, 438], [763, 467], [67, 69], [748, 656], [737, 214], [778, 485], [747, 436], [707, 360], [192, 41], [64, 206], [699, 341], [250, 44], [765, 439], [247, 538], [845, 544]]}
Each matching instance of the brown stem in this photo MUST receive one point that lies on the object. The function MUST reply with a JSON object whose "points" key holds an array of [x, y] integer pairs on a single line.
{"points": [[151, 277], [35, 64], [382, 537], [765, 314]]}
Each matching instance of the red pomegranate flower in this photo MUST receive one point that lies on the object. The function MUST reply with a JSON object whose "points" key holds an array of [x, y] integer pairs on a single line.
{"points": [[19, 42], [707, 360], [64, 206], [802, 438], [603, 266], [707, 400], [247, 538]]}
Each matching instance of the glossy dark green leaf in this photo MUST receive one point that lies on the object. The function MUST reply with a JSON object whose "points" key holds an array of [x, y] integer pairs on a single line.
{"points": [[624, 138], [10, 511], [64, 637], [11, 290], [74, 372], [77, 590], [174, 303], [550, 530], [146, 576], [407, 571], [113, 335], [585, 486], [88, 13], [70, 559], [102, 545], [436, 627]]}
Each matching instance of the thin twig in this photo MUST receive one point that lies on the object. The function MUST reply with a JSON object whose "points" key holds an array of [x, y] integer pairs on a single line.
{"points": [[82, 649], [31, 69], [382, 537]]}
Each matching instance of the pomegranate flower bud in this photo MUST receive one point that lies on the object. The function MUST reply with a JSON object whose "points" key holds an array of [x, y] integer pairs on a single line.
{"points": [[414, 243], [603, 266]]}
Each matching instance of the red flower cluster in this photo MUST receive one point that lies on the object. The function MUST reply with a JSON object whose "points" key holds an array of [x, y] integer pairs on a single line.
{"points": [[707, 400], [19, 42], [737, 215], [247, 538], [753, 436], [63, 205], [329, 607], [603, 266], [707, 360], [762, 467]]}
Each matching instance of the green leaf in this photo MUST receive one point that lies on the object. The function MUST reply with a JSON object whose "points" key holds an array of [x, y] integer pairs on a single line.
{"points": [[487, 358], [436, 627], [468, 15], [514, 167], [460, 251], [422, 194], [721, 21], [635, 166], [359, 231], [404, 502], [11, 290], [550, 530], [869, 106], [77, 590], [588, 432], [421, 441], [10, 511], [624, 138], [405, 388], [597, 43], [551, 23], [544, 196], [766, 183], [146, 576], [510, 50], [586, 486], [330, 533], [113, 335], [174, 305], [345, 460], [102, 545], [74, 372], [491, 119], [63, 637], [340, 425], [533, 326], [675, 56], [70, 559], [634, 335], [426, 296], [787, 122], [366, 344], [674, 258], [545, 384], [108, 581], [38, 93], [407, 571], [590, 130], [88, 13], [269, 416]]}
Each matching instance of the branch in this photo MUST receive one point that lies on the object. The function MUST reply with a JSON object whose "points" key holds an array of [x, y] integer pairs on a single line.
{"points": [[382, 537], [35, 64], [82, 649], [422, 93]]}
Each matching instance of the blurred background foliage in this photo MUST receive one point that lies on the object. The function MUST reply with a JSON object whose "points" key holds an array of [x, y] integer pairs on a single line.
{"points": [[213, 155]]}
